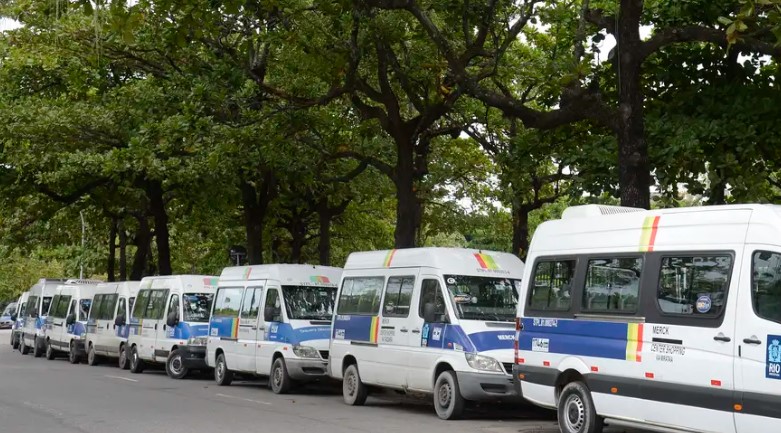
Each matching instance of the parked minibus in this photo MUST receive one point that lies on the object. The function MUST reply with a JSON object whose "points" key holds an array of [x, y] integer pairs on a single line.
{"points": [[431, 320], [66, 323], [170, 322], [38, 303], [107, 328], [272, 320], [664, 320], [18, 319]]}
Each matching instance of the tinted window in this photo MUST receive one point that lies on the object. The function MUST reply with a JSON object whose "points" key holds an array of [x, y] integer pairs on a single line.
{"points": [[84, 307], [55, 302], [197, 306], [430, 293], [272, 301], [398, 296], [140, 307], [31, 304], [766, 285], [96, 311], [551, 286], [61, 309], [612, 285], [361, 295], [130, 304], [694, 286], [156, 308], [109, 305], [251, 304], [47, 303], [228, 301], [121, 308], [173, 306]]}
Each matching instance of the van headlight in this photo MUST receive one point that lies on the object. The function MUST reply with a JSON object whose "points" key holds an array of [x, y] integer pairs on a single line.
{"points": [[483, 363], [306, 352], [197, 341]]}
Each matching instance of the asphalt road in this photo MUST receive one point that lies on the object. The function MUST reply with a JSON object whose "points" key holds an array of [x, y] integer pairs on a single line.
{"points": [[40, 396]]}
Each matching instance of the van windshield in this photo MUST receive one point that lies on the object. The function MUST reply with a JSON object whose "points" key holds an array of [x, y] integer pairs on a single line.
{"points": [[197, 306], [483, 298], [309, 302]]}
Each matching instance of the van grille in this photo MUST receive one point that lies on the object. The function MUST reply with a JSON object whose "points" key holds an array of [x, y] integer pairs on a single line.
{"points": [[508, 367], [324, 354]]}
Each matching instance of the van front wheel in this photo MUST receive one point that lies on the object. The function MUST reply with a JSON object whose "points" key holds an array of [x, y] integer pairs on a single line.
{"points": [[354, 391], [222, 375], [123, 362], [447, 396], [280, 379], [23, 347], [73, 357], [49, 351], [92, 357], [576, 410], [37, 348], [136, 363], [175, 365]]}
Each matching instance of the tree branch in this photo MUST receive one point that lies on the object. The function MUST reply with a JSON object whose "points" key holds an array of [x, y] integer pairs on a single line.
{"points": [[717, 37]]}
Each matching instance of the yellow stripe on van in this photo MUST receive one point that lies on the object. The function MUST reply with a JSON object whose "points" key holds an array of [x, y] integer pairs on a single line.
{"points": [[374, 329], [634, 342], [648, 233]]}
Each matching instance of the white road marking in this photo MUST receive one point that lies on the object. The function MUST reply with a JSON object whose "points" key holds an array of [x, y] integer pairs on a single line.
{"points": [[244, 399], [121, 378]]}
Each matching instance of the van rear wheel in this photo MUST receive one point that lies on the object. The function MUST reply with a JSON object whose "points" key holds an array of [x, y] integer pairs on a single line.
{"points": [[280, 380], [23, 347], [222, 375], [174, 367], [92, 357], [37, 348], [14, 342], [353, 390], [576, 411], [50, 354], [136, 363], [123, 363], [73, 357], [447, 396]]}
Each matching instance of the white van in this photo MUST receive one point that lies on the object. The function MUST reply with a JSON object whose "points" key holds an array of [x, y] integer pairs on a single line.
{"points": [[272, 320], [665, 320], [431, 320], [38, 304], [107, 328], [170, 322], [18, 318], [66, 324]]}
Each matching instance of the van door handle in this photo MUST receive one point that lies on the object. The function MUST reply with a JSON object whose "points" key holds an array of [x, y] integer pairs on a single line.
{"points": [[416, 331], [404, 330], [163, 327], [722, 337], [155, 326], [752, 340]]}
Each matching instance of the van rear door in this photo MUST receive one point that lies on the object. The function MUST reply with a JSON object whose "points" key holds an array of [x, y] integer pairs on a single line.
{"points": [[758, 337]]}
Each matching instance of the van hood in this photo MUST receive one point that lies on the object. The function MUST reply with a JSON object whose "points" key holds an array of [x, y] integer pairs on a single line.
{"points": [[473, 336]]}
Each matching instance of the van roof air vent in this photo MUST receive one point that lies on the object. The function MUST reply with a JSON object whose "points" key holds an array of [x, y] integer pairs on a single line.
{"points": [[594, 210]]}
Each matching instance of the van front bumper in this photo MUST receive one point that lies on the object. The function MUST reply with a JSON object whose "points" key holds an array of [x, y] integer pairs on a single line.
{"points": [[487, 386], [306, 369], [194, 357]]}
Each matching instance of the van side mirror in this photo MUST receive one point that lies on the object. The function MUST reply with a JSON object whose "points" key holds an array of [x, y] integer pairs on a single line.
{"points": [[71, 319], [173, 318], [120, 320], [271, 314]]}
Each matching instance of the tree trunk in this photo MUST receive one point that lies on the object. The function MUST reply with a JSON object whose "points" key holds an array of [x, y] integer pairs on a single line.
{"points": [[520, 230], [297, 230], [408, 205], [633, 166], [122, 252], [324, 242], [112, 250], [253, 224], [142, 241], [162, 238]]}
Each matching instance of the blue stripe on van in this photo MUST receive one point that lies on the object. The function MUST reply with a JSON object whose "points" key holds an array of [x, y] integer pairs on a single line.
{"points": [[353, 328], [576, 337], [284, 332], [184, 330], [493, 340], [221, 326]]}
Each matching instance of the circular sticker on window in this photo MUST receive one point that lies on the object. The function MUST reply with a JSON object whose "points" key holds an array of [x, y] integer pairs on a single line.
{"points": [[703, 304], [451, 280]]}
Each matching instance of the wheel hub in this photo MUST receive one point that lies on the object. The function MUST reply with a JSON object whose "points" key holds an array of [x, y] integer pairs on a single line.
{"points": [[350, 384], [220, 370], [277, 376], [444, 395], [575, 413], [176, 365]]}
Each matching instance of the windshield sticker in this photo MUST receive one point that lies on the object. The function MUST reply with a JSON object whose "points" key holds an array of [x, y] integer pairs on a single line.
{"points": [[486, 262], [319, 279], [773, 357], [436, 334], [451, 280], [703, 304]]}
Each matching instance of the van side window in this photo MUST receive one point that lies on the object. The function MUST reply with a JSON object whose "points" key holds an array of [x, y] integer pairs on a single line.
{"points": [[272, 301], [156, 308], [430, 293], [61, 309], [47, 303], [139, 309], [97, 307], [109, 305], [361, 295], [251, 304], [55, 302], [551, 287], [121, 308], [173, 306], [694, 286], [612, 285], [72, 308], [766, 285], [398, 296], [228, 301], [31, 304]]}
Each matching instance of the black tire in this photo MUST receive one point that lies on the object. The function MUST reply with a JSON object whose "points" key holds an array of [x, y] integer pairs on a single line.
{"points": [[73, 357], [174, 366], [448, 401], [23, 347], [222, 375], [280, 380], [92, 358], [576, 410], [122, 361], [353, 390], [50, 353], [14, 342], [136, 363], [37, 348]]}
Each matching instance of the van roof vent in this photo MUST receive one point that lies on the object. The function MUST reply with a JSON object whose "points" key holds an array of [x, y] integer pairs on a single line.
{"points": [[594, 210]]}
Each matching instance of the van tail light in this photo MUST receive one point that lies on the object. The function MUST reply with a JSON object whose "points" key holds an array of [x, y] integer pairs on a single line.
{"points": [[518, 327]]}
